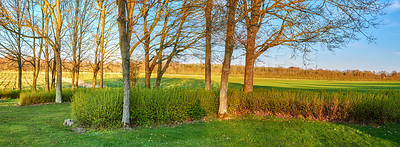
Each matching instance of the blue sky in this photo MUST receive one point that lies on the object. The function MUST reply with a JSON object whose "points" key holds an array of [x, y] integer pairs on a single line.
{"points": [[382, 55]]}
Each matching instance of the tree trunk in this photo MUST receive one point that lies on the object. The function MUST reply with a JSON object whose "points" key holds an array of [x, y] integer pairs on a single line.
{"points": [[58, 26], [77, 78], [252, 30], [101, 72], [208, 45], [73, 78], [94, 78], [102, 47], [124, 47], [19, 58], [147, 54], [53, 73], [46, 55], [46, 67], [19, 72], [229, 44]]}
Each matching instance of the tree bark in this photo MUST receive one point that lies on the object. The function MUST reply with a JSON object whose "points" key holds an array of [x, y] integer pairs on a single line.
{"points": [[124, 47], [58, 26], [147, 75], [46, 53], [53, 73], [229, 44], [252, 29], [19, 59], [208, 45]]}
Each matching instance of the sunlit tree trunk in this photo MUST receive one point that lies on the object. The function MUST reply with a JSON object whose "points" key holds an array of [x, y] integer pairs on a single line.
{"points": [[58, 25], [252, 29], [208, 45], [229, 44], [124, 47]]}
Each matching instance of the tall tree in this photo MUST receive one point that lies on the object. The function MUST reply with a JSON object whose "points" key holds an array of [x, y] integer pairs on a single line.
{"points": [[208, 32], [229, 46], [125, 55], [79, 24], [104, 35]]}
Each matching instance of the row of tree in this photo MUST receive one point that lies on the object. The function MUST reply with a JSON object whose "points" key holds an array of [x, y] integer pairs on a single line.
{"points": [[167, 29]]}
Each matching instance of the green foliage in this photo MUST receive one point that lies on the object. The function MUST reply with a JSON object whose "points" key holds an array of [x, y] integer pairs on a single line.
{"points": [[103, 108], [196, 112], [98, 108], [39, 97], [12, 94]]}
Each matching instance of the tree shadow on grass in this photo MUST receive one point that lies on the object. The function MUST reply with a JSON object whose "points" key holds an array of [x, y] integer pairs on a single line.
{"points": [[389, 132]]}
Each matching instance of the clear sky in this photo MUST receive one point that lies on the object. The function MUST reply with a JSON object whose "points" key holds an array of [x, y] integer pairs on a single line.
{"points": [[382, 55]]}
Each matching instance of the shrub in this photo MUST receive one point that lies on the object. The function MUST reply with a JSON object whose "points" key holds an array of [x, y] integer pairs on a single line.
{"points": [[98, 108], [13, 94], [373, 107], [103, 108], [39, 97]]}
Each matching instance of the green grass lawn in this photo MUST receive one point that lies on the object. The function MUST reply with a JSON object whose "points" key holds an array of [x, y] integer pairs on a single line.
{"points": [[41, 125]]}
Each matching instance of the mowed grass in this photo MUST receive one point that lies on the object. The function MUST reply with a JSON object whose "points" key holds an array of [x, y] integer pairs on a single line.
{"points": [[41, 125]]}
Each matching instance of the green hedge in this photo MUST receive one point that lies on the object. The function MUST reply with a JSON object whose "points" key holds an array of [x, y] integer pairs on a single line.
{"points": [[12, 94], [373, 107], [103, 108], [39, 97]]}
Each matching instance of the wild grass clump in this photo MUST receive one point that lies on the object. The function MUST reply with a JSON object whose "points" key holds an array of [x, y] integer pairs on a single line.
{"points": [[372, 108], [149, 107], [9, 94], [169, 105], [40, 97], [98, 108]]}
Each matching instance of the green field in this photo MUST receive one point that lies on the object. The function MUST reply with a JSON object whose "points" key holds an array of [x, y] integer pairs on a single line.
{"points": [[41, 125], [8, 82]]}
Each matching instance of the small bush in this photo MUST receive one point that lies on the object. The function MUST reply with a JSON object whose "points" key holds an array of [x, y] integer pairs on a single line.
{"points": [[12, 94], [40, 97], [99, 108]]}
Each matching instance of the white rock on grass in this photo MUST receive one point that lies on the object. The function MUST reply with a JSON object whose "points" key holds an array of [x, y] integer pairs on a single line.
{"points": [[68, 122]]}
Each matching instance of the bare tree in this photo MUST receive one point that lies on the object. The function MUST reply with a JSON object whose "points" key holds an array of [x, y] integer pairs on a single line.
{"points": [[11, 44], [302, 24], [79, 24], [104, 35]]}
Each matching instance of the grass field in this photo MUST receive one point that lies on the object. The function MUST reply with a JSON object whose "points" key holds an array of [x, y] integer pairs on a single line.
{"points": [[41, 125], [8, 82]]}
